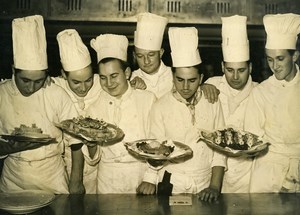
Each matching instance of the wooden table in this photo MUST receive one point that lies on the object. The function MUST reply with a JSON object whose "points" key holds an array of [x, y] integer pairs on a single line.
{"points": [[229, 204]]}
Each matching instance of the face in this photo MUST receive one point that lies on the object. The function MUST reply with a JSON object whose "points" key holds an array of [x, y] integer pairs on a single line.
{"points": [[113, 78], [187, 81], [29, 82], [282, 63], [80, 81], [148, 61], [236, 74]]}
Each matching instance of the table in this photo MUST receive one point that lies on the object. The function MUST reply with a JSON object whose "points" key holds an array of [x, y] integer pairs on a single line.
{"points": [[114, 204]]}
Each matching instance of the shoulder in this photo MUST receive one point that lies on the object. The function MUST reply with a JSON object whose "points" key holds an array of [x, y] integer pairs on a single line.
{"points": [[214, 80]]}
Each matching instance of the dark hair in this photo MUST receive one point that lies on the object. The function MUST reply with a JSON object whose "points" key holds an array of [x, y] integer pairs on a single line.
{"points": [[198, 67], [123, 64], [68, 72], [291, 51], [20, 70]]}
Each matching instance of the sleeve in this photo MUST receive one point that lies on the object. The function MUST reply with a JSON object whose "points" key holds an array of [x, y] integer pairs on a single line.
{"points": [[91, 161], [157, 128], [254, 115]]}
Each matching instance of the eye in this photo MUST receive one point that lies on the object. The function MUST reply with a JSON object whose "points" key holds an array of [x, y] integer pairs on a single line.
{"points": [[151, 54], [89, 80], [193, 80], [25, 80], [229, 70], [102, 77], [139, 56], [114, 75], [179, 79], [269, 59], [280, 58]]}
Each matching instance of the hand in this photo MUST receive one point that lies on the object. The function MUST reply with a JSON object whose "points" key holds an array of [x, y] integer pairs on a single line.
{"points": [[76, 187], [211, 93], [146, 188], [209, 195], [138, 83], [11, 146], [48, 82]]}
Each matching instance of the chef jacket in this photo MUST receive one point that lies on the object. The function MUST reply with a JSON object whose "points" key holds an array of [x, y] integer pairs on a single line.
{"points": [[171, 119], [159, 83], [81, 104], [234, 102], [273, 113], [40, 168], [118, 171]]}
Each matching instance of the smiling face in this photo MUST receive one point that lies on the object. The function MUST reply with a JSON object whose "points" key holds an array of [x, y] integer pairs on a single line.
{"points": [[148, 61], [28, 82], [236, 74], [113, 77], [282, 63], [80, 81], [187, 80]]}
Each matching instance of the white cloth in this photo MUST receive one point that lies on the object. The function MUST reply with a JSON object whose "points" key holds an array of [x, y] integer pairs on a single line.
{"points": [[110, 46], [184, 46], [235, 44], [149, 32], [171, 119], [159, 83], [81, 104], [237, 177], [131, 114], [273, 112], [44, 108], [29, 43], [74, 55]]}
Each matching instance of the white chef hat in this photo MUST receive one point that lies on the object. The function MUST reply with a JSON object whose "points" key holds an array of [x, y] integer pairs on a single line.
{"points": [[29, 43], [235, 44], [282, 30], [149, 31], [110, 45], [184, 46], [74, 55]]}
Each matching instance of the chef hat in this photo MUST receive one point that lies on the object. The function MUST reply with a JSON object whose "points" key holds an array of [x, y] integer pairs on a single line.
{"points": [[149, 31], [184, 46], [235, 44], [74, 55], [282, 30], [29, 43], [110, 45]]}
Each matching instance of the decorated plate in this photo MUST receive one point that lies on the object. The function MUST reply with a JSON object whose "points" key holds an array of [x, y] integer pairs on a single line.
{"points": [[27, 201], [155, 150], [92, 130], [233, 142]]}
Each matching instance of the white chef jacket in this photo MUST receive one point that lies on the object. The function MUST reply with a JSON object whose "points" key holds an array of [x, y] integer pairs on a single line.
{"points": [[273, 113], [171, 119], [159, 83], [118, 171], [41, 168], [81, 104], [237, 177]]}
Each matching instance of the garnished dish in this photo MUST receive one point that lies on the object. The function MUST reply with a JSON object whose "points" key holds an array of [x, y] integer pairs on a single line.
{"points": [[29, 133], [233, 142], [156, 150], [92, 130]]}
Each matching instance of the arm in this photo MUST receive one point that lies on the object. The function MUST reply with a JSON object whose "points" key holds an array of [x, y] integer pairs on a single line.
{"points": [[10, 147], [76, 178], [211, 93]]}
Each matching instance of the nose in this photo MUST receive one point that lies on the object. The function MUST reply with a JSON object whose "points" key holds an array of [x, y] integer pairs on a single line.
{"points": [[108, 82], [185, 85], [275, 64], [146, 60], [236, 75], [31, 87], [83, 87]]}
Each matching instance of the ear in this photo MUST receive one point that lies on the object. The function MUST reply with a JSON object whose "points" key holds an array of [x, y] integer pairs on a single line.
{"points": [[250, 68], [296, 56], [201, 79], [63, 74], [13, 69], [127, 73], [223, 66], [161, 52]]}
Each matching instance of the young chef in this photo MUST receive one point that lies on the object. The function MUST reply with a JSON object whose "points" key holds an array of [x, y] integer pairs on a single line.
{"points": [[25, 101], [273, 109], [180, 113], [235, 86], [148, 52], [82, 85], [118, 104]]}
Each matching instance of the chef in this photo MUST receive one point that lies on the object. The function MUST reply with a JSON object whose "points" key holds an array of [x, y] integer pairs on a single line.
{"points": [[273, 109], [180, 113], [82, 85], [148, 53], [121, 105], [23, 100], [235, 86]]}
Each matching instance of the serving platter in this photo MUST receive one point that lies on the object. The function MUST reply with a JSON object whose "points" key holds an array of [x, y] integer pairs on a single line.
{"points": [[179, 151], [42, 138], [24, 202], [92, 130], [233, 142]]}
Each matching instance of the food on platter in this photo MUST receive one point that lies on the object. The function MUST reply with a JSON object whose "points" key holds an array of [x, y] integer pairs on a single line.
{"points": [[93, 130], [233, 142], [29, 131], [156, 148]]}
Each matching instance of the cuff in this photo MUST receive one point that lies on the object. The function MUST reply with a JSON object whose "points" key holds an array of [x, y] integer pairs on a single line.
{"points": [[91, 161]]}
